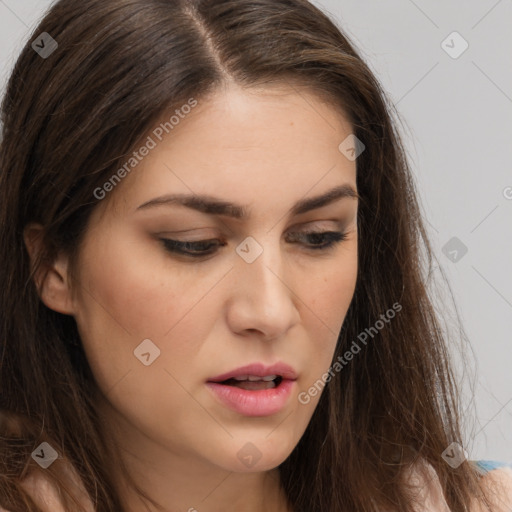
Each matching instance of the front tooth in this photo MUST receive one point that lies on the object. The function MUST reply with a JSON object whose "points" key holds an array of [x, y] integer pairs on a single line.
{"points": [[254, 378]]}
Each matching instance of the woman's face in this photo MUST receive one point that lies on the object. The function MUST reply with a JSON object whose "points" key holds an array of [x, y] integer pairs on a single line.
{"points": [[157, 325]]}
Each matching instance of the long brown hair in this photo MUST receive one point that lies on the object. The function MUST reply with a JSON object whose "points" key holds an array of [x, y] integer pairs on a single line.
{"points": [[69, 122]]}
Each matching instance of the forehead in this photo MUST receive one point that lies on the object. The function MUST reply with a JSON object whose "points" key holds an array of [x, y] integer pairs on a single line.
{"points": [[241, 144]]}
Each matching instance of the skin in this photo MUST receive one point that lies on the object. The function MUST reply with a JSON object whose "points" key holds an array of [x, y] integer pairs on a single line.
{"points": [[265, 149]]}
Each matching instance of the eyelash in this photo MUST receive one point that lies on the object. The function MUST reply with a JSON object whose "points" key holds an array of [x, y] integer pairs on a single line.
{"points": [[333, 238]]}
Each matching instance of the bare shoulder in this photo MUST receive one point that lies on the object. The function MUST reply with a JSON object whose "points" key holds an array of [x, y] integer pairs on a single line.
{"points": [[429, 494], [43, 492], [47, 495], [497, 486]]}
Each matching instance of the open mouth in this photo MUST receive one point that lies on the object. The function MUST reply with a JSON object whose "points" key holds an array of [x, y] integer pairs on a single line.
{"points": [[255, 390], [254, 384]]}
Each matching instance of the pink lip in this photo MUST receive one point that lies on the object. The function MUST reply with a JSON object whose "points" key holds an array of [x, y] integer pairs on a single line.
{"points": [[258, 370], [264, 402]]}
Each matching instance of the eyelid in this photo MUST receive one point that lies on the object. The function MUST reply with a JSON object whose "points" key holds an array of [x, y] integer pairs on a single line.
{"points": [[199, 237], [339, 224]]}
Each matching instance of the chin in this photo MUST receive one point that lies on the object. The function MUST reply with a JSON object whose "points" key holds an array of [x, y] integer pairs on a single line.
{"points": [[258, 455]]}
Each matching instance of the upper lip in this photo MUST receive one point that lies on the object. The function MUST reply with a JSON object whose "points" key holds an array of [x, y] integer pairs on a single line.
{"points": [[258, 370]]}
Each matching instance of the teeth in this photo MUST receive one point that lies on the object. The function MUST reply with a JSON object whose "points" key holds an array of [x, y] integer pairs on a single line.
{"points": [[253, 378]]}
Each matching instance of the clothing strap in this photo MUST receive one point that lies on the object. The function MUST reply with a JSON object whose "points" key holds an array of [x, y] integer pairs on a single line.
{"points": [[485, 466]]}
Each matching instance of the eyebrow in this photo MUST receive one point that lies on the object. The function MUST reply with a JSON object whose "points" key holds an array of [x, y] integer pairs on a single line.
{"points": [[215, 206]]}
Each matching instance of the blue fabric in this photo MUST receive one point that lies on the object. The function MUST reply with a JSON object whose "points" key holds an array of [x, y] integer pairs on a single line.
{"points": [[489, 465]]}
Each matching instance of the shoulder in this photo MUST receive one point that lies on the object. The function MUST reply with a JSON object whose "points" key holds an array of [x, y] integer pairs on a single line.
{"points": [[496, 483], [46, 494], [427, 487], [42, 492], [485, 466]]}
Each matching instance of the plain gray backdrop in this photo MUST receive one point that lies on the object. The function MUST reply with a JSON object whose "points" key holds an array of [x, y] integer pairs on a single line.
{"points": [[447, 67]]}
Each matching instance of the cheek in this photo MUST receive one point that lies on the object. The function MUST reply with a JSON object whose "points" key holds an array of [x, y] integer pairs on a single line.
{"points": [[134, 292], [333, 290], [330, 297], [333, 293], [139, 286], [133, 299]]}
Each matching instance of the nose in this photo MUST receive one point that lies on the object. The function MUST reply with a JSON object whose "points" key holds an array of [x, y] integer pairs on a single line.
{"points": [[263, 298]]}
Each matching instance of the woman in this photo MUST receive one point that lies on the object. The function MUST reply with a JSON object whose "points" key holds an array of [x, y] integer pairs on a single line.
{"points": [[212, 289]]}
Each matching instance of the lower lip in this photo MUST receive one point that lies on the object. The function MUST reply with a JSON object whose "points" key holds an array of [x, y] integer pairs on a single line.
{"points": [[263, 402]]}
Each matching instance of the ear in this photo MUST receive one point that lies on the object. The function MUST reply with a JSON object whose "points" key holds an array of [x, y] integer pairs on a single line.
{"points": [[51, 279]]}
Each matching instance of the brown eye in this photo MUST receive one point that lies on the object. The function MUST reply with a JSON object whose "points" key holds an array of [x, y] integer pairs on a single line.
{"points": [[314, 240], [320, 240], [193, 249]]}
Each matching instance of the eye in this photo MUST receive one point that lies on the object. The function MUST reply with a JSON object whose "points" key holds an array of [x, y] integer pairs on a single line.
{"points": [[327, 239], [194, 249], [314, 240]]}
